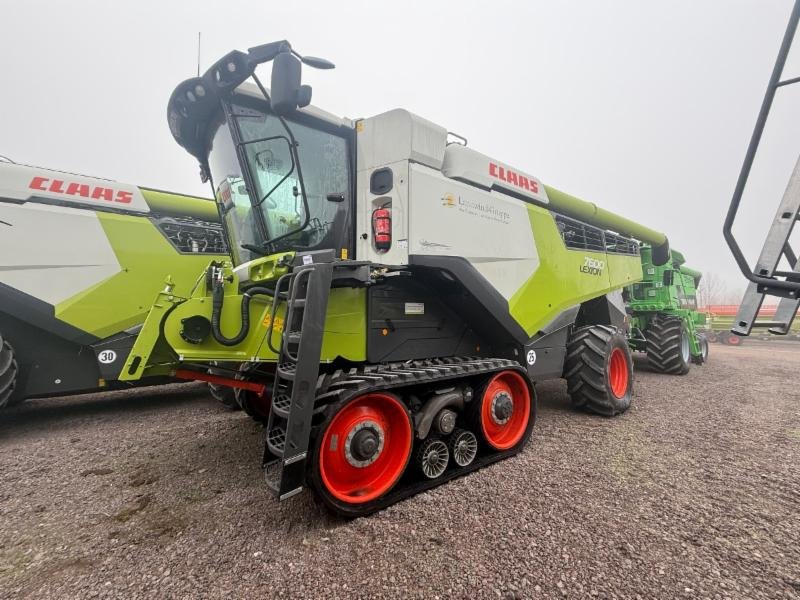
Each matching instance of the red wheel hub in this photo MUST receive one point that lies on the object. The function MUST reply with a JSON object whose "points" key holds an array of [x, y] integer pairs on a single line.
{"points": [[505, 410], [365, 448], [734, 340], [618, 375]]}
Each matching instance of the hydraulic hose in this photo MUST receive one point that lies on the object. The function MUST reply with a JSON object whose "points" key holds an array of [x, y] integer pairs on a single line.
{"points": [[218, 298]]}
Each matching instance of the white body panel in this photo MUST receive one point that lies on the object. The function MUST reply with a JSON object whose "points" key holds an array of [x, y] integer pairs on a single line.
{"points": [[442, 203], [21, 182], [68, 253], [491, 230]]}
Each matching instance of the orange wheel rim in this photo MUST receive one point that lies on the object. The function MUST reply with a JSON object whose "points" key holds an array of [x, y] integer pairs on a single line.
{"points": [[352, 478], [505, 410], [618, 375]]}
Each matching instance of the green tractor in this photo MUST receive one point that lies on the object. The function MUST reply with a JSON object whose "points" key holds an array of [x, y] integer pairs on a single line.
{"points": [[665, 322], [80, 261], [392, 294]]}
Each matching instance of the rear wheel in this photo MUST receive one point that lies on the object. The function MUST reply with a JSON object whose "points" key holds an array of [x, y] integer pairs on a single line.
{"points": [[223, 394], [703, 343], [8, 375], [362, 450], [733, 340], [255, 405], [598, 370], [668, 349]]}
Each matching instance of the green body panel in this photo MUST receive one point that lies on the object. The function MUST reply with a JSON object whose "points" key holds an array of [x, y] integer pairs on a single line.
{"points": [[344, 335], [166, 203], [559, 283], [146, 256], [654, 296]]}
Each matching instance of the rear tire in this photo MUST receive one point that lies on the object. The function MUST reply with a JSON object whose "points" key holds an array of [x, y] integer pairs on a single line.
{"points": [[223, 394], [599, 370], [732, 339], [703, 358], [8, 375], [668, 349]]}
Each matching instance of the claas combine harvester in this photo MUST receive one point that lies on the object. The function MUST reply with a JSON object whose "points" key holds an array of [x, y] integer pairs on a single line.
{"points": [[80, 260], [391, 297]]}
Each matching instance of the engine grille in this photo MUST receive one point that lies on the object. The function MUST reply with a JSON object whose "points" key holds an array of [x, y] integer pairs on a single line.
{"points": [[192, 236], [578, 235]]}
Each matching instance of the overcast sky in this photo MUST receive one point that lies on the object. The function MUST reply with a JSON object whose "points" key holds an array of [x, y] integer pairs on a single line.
{"points": [[642, 107]]}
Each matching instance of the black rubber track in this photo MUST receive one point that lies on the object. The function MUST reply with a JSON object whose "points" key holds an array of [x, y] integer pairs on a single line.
{"points": [[586, 369], [8, 374], [336, 389], [664, 335]]}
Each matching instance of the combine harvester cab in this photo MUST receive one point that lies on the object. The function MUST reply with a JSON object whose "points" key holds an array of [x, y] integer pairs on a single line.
{"points": [[80, 261], [665, 322], [391, 297]]}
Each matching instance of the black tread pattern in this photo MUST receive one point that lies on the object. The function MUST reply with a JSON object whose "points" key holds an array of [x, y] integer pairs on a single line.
{"points": [[704, 350], [664, 345], [337, 388], [8, 374], [585, 369]]}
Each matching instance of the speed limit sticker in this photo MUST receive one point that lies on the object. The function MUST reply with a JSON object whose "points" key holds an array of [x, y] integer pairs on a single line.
{"points": [[107, 357]]}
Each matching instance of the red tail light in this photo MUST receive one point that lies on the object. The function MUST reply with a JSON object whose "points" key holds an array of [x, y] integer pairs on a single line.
{"points": [[382, 228]]}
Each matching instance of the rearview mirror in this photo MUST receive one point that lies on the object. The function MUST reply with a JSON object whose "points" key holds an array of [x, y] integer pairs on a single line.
{"points": [[287, 92]]}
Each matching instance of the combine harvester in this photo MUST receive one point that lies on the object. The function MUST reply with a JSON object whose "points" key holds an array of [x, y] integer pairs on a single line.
{"points": [[392, 297], [80, 261], [665, 322]]}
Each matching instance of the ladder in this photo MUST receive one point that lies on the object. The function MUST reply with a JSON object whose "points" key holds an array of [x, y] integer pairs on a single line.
{"points": [[296, 373], [766, 279], [306, 290]]}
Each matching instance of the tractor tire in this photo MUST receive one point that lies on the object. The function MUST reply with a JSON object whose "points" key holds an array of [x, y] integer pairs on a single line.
{"points": [[703, 358], [223, 394], [731, 339], [8, 375], [668, 345], [712, 337], [599, 370]]}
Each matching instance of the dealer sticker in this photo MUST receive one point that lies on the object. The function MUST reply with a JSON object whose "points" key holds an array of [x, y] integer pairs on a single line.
{"points": [[415, 308]]}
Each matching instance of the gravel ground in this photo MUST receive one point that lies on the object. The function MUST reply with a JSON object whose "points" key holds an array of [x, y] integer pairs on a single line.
{"points": [[693, 493]]}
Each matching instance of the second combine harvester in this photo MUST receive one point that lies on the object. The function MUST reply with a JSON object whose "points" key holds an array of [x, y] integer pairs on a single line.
{"points": [[392, 297]]}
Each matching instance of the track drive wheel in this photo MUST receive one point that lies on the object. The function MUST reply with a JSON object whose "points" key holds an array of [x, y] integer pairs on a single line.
{"points": [[361, 451], [8, 375], [703, 343], [668, 349], [599, 370], [504, 411]]}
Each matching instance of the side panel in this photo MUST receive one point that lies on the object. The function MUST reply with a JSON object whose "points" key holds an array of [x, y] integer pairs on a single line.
{"points": [[123, 299], [490, 230], [344, 336], [516, 246], [53, 253]]}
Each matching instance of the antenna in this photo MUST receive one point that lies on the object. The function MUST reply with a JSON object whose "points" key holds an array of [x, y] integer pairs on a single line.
{"points": [[198, 53]]}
